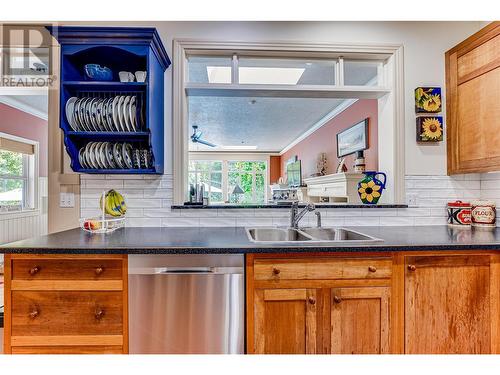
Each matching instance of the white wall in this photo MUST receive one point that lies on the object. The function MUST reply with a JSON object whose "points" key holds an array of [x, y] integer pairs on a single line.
{"points": [[15, 227], [424, 46]]}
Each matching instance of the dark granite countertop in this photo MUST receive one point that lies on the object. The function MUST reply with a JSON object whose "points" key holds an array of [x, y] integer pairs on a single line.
{"points": [[134, 240], [275, 205]]}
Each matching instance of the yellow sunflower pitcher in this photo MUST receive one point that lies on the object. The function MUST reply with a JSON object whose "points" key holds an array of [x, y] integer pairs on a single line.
{"points": [[370, 188]]}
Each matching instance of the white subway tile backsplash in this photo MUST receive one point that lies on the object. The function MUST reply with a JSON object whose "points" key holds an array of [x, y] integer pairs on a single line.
{"points": [[397, 220], [362, 221], [490, 176], [144, 184], [181, 222], [158, 193], [143, 203], [254, 221], [149, 198], [104, 184], [196, 212], [328, 221], [235, 212], [143, 222], [414, 211], [269, 212], [218, 222], [378, 212], [160, 212]]}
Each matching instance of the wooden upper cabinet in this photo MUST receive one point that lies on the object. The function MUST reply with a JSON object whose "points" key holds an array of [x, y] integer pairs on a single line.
{"points": [[286, 321], [360, 320], [472, 105], [451, 304]]}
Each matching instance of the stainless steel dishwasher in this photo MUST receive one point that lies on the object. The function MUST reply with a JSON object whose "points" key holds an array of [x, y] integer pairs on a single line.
{"points": [[186, 304]]}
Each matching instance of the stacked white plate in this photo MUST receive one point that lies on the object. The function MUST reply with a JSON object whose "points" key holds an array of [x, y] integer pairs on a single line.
{"points": [[113, 155], [114, 114]]}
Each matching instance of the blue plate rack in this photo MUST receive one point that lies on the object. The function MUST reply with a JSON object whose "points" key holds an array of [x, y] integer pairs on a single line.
{"points": [[120, 49]]}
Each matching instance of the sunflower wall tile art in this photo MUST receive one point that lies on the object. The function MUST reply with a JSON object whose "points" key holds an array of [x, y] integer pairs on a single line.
{"points": [[428, 99], [430, 129]]}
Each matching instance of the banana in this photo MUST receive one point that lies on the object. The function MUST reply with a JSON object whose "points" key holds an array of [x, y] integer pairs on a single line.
{"points": [[110, 209], [114, 203], [121, 201]]}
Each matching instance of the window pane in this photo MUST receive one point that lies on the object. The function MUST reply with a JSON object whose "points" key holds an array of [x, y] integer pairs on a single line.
{"points": [[285, 71], [11, 194], [362, 73], [11, 163], [205, 165], [215, 198], [193, 178], [203, 69], [260, 188]]}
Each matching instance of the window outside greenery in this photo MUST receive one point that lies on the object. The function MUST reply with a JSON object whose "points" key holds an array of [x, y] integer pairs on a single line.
{"points": [[220, 177], [249, 175], [209, 173], [12, 181]]}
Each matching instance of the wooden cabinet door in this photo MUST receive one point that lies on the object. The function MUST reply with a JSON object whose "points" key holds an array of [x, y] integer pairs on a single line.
{"points": [[286, 321], [360, 320], [472, 106], [447, 304]]}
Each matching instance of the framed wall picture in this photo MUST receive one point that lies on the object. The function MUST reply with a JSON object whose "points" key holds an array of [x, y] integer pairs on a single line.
{"points": [[353, 139], [428, 100], [429, 129]]}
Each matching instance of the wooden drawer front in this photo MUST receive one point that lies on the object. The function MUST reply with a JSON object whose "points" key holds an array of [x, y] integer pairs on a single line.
{"points": [[66, 313], [322, 269], [67, 269], [67, 350]]}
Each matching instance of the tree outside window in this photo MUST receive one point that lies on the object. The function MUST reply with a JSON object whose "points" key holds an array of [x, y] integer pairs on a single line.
{"points": [[221, 176], [13, 180]]}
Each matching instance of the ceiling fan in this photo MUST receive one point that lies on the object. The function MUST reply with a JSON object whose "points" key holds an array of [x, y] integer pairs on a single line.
{"points": [[196, 137]]}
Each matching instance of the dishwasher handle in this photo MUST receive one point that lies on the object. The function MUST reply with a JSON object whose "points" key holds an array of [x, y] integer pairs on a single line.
{"points": [[181, 270], [186, 270]]}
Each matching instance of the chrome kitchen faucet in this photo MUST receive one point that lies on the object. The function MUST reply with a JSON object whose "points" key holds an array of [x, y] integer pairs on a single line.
{"points": [[296, 216]]}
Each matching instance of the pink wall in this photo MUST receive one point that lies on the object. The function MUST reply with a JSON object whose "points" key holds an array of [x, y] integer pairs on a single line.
{"points": [[16, 122], [324, 140]]}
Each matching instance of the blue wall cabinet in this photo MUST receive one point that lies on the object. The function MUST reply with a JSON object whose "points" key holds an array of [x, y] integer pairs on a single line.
{"points": [[114, 125]]}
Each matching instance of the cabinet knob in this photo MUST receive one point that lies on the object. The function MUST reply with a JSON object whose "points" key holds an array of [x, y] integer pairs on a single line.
{"points": [[99, 313], [372, 269], [34, 313], [312, 301], [34, 270], [411, 267], [99, 270], [276, 271], [337, 299]]}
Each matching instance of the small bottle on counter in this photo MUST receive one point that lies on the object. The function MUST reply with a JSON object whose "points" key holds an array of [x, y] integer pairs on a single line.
{"points": [[359, 163]]}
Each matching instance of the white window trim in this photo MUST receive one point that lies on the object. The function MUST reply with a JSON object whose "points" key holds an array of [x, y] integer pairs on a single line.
{"points": [[228, 156], [390, 104], [33, 175]]}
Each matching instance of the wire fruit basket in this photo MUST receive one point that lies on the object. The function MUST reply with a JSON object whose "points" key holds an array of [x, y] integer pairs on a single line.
{"points": [[103, 223]]}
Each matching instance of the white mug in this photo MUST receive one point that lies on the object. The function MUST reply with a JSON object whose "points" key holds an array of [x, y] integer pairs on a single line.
{"points": [[140, 76], [124, 76]]}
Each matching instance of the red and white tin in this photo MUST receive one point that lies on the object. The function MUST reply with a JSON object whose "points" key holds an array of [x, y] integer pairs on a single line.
{"points": [[459, 213], [483, 214]]}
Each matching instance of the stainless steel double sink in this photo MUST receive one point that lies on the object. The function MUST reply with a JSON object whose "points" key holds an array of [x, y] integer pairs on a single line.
{"points": [[317, 236]]}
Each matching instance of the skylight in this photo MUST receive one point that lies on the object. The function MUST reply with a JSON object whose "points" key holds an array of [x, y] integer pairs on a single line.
{"points": [[219, 74], [256, 75], [269, 76]]}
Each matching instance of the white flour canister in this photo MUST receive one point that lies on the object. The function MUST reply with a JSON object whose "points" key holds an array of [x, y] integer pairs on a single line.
{"points": [[483, 214]]}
